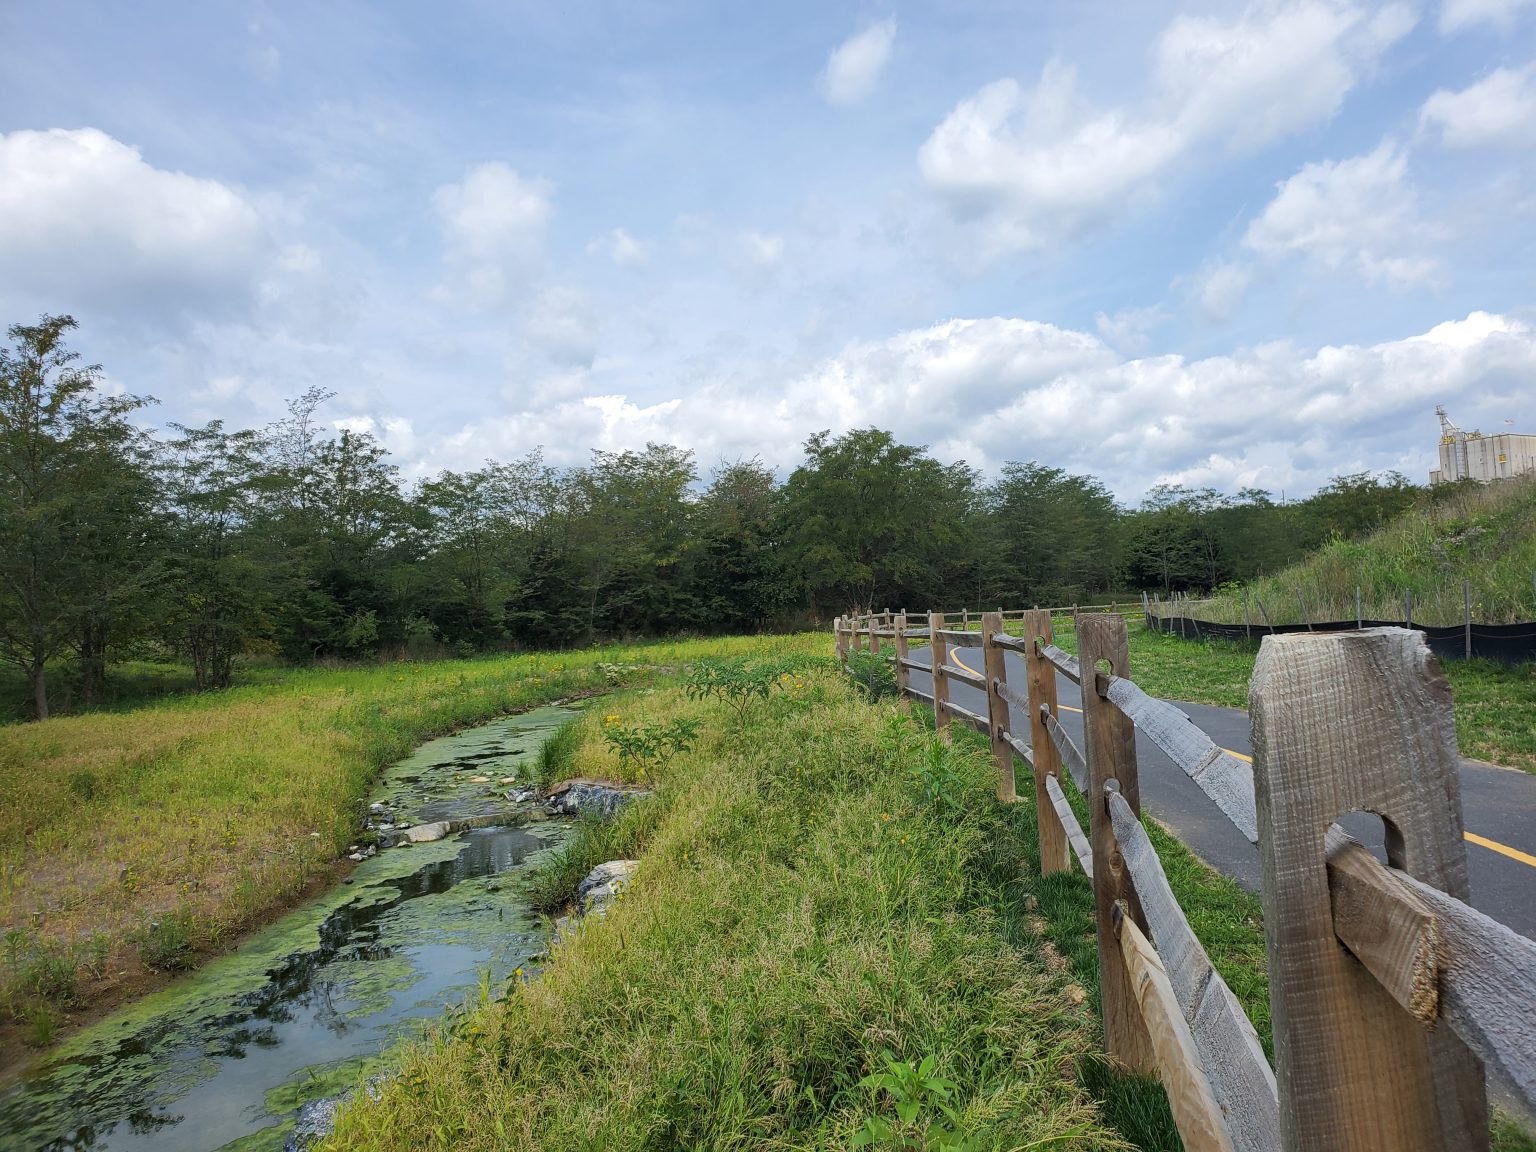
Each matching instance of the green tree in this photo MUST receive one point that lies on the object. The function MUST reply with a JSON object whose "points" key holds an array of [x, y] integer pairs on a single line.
{"points": [[737, 567], [69, 489], [1052, 537], [869, 522], [215, 593]]}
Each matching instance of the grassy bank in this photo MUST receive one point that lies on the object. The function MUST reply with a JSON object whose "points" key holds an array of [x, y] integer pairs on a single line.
{"points": [[1482, 533], [138, 841], [819, 903]]}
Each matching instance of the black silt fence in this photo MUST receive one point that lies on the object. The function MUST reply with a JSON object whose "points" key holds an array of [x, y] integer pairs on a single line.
{"points": [[1506, 643]]}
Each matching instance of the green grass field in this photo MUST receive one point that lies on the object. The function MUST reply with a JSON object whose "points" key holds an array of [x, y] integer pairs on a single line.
{"points": [[143, 839]]}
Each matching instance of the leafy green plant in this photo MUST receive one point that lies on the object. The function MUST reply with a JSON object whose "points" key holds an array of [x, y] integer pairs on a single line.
{"points": [[937, 774], [645, 746], [734, 682], [924, 1118], [167, 943], [873, 673]]}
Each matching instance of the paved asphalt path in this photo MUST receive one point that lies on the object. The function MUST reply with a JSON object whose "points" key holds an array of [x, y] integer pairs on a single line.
{"points": [[1498, 804]]}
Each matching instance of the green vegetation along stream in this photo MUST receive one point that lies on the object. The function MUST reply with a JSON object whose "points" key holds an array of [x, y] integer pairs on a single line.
{"points": [[303, 1010]]}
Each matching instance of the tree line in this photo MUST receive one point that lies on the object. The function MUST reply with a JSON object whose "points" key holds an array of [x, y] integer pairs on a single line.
{"points": [[209, 544]]}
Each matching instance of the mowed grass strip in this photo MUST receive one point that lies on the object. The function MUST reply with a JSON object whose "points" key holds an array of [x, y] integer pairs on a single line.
{"points": [[145, 839], [817, 903]]}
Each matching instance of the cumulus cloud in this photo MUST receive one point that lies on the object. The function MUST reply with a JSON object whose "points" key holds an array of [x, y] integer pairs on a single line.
{"points": [[1499, 110], [494, 222], [87, 223], [853, 70], [1456, 15], [1358, 215], [1001, 388], [1044, 162], [620, 247]]}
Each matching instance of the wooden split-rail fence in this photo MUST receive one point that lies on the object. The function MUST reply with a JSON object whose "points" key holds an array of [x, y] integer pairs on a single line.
{"points": [[1391, 998]]}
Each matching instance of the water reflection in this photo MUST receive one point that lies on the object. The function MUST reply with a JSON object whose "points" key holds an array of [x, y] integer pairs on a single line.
{"points": [[397, 952]]}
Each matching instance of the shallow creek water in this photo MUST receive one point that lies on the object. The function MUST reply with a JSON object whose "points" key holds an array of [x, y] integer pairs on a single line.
{"points": [[308, 1007]]}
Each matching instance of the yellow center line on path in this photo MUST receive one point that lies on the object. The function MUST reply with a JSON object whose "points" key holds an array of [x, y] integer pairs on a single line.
{"points": [[1482, 841], [1501, 849]]}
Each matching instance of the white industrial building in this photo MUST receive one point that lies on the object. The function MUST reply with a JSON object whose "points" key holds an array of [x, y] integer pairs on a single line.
{"points": [[1473, 456]]}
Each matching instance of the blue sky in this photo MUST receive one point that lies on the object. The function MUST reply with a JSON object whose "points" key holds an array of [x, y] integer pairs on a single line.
{"points": [[1226, 244]]}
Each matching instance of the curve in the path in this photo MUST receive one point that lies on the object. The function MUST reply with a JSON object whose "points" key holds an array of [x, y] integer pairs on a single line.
{"points": [[1498, 804]]}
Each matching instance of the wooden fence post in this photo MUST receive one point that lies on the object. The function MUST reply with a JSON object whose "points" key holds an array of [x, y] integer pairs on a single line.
{"points": [[938, 655], [901, 655], [1109, 747], [874, 636], [995, 665], [1345, 722], [1054, 852]]}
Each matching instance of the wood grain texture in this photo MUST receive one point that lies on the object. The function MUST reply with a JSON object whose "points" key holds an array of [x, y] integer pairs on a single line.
{"points": [[1071, 755], [1024, 751], [1065, 662], [903, 667], [1202, 1127], [974, 719], [1345, 722], [938, 656], [995, 665], [1227, 780], [965, 676], [1110, 752], [1040, 684], [1014, 643], [961, 639], [1385, 926], [1070, 830], [1487, 989], [1229, 1048]]}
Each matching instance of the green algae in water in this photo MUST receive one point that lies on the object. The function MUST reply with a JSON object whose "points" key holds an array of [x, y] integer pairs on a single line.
{"points": [[304, 1010]]}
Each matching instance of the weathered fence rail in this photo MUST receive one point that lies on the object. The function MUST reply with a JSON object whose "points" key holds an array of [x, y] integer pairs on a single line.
{"points": [[1390, 996]]}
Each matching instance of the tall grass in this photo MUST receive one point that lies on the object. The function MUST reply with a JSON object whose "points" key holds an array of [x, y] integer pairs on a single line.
{"points": [[804, 912], [1482, 534], [211, 812]]}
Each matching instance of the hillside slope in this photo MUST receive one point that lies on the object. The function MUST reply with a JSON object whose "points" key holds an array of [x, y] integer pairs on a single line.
{"points": [[1485, 535]]}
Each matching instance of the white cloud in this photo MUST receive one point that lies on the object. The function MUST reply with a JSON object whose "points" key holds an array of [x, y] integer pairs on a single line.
{"points": [[620, 247], [999, 389], [853, 70], [762, 249], [86, 223], [1456, 15], [1041, 163], [1220, 289], [1130, 329], [1358, 215], [493, 222], [1499, 109], [562, 323]]}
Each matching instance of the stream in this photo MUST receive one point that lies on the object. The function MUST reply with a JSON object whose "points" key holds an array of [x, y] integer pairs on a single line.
{"points": [[308, 1008]]}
